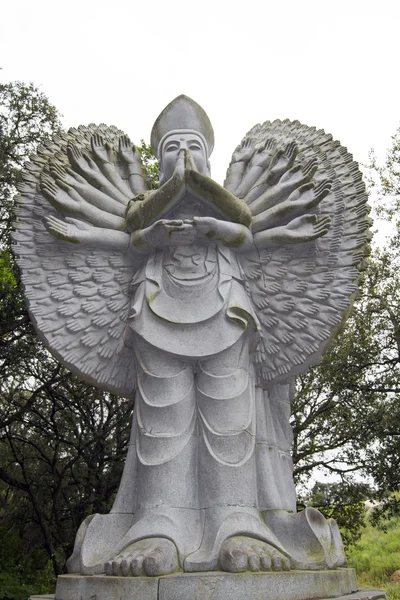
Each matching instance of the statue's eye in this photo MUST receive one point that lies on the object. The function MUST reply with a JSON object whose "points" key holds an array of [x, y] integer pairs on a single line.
{"points": [[194, 147], [172, 147]]}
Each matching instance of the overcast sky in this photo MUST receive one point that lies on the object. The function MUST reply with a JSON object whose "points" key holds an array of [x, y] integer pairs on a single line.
{"points": [[334, 65]]}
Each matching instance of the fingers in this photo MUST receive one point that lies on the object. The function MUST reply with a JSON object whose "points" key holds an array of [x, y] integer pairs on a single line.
{"points": [[63, 185], [311, 226], [301, 191], [96, 141], [80, 159], [311, 194], [322, 226], [180, 163], [270, 144], [55, 226], [310, 168], [205, 220], [322, 189], [57, 170], [173, 222], [126, 149], [291, 150], [183, 227], [79, 224], [189, 162], [49, 188], [275, 159], [76, 176], [74, 153], [124, 142]]}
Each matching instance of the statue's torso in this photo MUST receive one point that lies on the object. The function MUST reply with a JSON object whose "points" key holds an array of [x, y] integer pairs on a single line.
{"points": [[183, 300]]}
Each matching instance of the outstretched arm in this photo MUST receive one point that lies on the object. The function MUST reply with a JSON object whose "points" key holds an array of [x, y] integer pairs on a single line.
{"points": [[83, 163], [281, 162], [305, 198], [303, 229], [104, 156], [130, 156], [86, 190], [66, 199], [258, 163], [290, 181], [143, 241], [78, 232], [241, 157]]}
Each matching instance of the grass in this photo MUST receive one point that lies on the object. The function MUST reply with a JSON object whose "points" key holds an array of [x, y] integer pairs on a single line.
{"points": [[376, 556]]}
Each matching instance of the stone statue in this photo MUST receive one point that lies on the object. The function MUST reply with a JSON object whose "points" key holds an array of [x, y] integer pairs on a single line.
{"points": [[202, 303]]}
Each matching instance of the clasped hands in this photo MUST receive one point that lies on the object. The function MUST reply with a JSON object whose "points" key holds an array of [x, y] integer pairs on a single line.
{"points": [[176, 232]]}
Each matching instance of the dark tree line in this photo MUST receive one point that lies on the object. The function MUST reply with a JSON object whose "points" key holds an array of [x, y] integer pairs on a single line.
{"points": [[62, 442]]}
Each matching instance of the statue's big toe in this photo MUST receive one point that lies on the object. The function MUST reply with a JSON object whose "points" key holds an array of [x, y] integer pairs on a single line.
{"points": [[241, 553], [151, 557]]}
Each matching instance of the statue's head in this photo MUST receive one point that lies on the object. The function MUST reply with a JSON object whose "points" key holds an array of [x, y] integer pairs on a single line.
{"points": [[182, 125]]}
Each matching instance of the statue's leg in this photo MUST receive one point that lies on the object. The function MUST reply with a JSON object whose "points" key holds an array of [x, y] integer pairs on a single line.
{"points": [[276, 490], [311, 541], [167, 522], [226, 406], [227, 468]]}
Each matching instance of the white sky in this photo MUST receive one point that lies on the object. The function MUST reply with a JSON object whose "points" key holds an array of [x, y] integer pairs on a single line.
{"points": [[334, 65]]}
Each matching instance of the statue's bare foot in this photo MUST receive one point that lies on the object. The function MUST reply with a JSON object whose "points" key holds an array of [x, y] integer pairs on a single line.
{"points": [[242, 553], [151, 557]]}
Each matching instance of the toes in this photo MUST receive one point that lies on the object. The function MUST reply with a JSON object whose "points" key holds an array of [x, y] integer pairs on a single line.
{"points": [[153, 563], [137, 565], [277, 563], [234, 561], [254, 562], [266, 562], [116, 563], [241, 554], [108, 568], [162, 560], [125, 567], [147, 557]]}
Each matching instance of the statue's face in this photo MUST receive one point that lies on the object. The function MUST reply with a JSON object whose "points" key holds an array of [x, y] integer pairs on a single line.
{"points": [[183, 141]]}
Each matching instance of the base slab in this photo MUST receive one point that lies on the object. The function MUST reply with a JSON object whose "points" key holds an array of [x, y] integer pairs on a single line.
{"points": [[288, 585]]}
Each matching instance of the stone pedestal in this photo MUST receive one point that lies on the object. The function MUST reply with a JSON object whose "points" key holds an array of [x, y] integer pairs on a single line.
{"points": [[216, 585]]}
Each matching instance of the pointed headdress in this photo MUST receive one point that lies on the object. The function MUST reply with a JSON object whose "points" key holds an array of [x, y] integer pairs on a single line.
{"points": [[183, 113]]}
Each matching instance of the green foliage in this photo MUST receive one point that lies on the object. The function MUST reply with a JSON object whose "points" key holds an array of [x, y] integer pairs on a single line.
{"points": [[346, 411], [21, 573], [346, 414], [344, 502], [62, 442], [377, 556], [385, 180], [392, 590], [27, 119], [150, 163]]}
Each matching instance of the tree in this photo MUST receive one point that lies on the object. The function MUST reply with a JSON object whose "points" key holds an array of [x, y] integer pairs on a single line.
{"points": [[62, 442], [346, 414], [344, 502]]}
